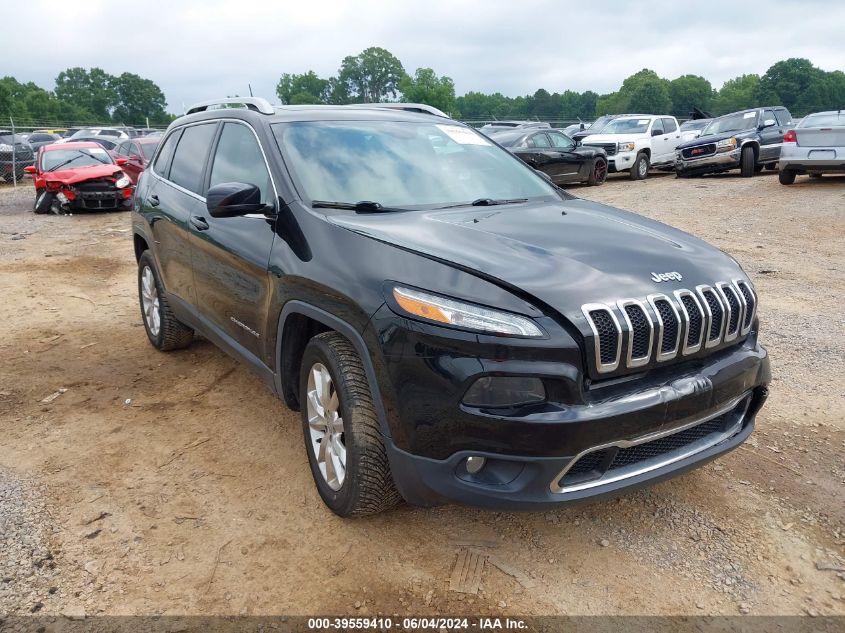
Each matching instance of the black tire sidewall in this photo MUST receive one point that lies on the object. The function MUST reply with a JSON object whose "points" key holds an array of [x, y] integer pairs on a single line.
{"points": [[592, 180], [339, 501], [146, 261], [786, 176], [635, 168], [747, 165]]}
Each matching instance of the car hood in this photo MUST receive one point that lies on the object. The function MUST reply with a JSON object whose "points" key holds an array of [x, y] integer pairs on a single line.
{"points": [[713, 138], [612, 138], [78, 174], [564, 254]]}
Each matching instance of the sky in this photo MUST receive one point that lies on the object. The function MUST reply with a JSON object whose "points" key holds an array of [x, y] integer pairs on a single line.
{"points": [[198, 50]]}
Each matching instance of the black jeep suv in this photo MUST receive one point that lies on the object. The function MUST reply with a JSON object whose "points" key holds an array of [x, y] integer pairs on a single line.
{"points": [[747, 140], [451, 325]]}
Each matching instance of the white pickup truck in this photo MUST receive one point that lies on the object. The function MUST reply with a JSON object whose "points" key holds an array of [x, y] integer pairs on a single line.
{"points": [[636, 143]]}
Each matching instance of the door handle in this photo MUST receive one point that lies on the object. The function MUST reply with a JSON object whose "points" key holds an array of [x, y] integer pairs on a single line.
{"points": [[199, 223], [153, 200]]}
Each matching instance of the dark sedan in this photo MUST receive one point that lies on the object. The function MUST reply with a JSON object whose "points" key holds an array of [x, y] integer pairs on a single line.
{"points": [[555, 155]]}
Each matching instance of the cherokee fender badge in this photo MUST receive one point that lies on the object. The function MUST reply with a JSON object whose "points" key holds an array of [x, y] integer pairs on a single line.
{"points": [[661, 277]]}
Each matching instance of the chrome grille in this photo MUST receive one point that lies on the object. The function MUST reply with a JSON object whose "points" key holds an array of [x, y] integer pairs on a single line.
{"points": [[633, 333]]}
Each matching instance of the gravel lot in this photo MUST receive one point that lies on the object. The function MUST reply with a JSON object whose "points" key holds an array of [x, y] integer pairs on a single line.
{"points": [[133, 482]]}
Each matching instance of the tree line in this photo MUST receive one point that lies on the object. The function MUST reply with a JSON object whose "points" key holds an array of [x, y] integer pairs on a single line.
{"points": [[378, 75], [94, 96], [85, 96]]}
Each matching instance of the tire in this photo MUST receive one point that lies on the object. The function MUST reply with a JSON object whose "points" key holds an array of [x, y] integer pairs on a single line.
{"points": [[43, 201], [8, 177], [365, 485], [639, 170], [746, 163], [786, 176], [164, 330], [598, 172]]}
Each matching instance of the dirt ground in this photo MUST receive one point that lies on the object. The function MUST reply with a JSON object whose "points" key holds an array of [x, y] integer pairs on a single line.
{"points": [[177, 483]]}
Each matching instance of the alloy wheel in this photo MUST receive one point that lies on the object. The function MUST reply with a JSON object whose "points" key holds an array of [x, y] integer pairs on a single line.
{"points": [[149, 301], [642, 168], [600, 171], [325, 426]]}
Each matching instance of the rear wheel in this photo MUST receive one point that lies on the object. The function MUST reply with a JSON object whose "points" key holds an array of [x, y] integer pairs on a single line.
{"points": [[639, 170], [747, 163], [164, 330], [786, 176], [598, 171], [342, 435]]}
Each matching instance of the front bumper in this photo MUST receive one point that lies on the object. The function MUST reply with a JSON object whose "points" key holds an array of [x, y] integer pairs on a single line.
{"points": [[621, 161], [527, 450], [708, 164]]}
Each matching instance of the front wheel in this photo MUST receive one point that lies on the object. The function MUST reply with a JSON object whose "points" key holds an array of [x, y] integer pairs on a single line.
{"points": [[786, 176], [343, 439], [164, 330], [598, 171], [43, 201], [639, 170], [747, 163]]}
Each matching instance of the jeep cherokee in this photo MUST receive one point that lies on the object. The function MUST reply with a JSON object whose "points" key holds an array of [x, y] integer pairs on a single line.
{"points": [[451, 325]]}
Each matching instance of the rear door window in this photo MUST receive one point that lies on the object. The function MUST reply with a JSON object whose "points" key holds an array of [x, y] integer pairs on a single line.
{"points": [[560, 141], [539, 140], [163, 158], [784, 117], [669, 125], [189, 159]]}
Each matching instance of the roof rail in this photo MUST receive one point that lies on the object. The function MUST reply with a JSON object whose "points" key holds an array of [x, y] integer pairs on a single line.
{"points": [[256, 104], [421, 108]]}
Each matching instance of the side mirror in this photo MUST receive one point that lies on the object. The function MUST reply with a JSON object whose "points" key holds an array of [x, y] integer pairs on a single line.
{"points": [[657, 132], [30, 169], [120, 162], [768, 123], [233, 199]]}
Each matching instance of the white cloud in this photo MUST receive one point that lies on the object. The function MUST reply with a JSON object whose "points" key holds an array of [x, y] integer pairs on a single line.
{"points": [[197, 50]]}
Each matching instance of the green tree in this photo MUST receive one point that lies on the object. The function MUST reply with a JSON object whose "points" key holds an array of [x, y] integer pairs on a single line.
{"points": [[736, 94], [90, 90], [688, 92], [800, 86], [642, 92], [137, 99], [426, 87], [371, 76], [305, 88]]}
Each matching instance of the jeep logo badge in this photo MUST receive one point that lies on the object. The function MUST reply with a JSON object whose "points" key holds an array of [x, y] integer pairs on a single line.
{"points": [[660, 277]]}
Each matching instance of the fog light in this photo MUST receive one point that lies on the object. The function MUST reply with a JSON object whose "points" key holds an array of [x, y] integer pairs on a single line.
{"points": [[475, 463], [504, 391]]}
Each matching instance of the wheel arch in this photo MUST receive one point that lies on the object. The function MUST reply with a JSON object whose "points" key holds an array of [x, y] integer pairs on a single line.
{"points": [[141, 245], [298, 323], [754, 146]]}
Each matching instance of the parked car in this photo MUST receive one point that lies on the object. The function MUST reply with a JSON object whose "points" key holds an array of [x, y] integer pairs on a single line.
{"points": [[113, 133], [70, 132], [15, 155], [692, 129], [107, 142], [451, 326], [746, 140], [636, 143], [137, 152], [816, 146], [569, 130], [79, 176], [555, 155], [511, 125], [39, 139]]}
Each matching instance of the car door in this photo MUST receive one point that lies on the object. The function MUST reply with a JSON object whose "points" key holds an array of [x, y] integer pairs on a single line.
{"points": [[134, 161], [173, 200], [568, 164], [771, 137], [659, 142], [673, 133], [231, 255], [541, 155]]}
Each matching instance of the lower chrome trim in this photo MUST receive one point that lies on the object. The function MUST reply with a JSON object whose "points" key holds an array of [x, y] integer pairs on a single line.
{"points": [[660, 461]]}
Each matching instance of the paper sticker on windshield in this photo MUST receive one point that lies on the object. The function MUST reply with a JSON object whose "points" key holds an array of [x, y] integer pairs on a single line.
{"points": [[749, 115], [643, 122], [463, 135]]}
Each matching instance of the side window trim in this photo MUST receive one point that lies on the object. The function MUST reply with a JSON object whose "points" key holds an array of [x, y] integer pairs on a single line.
{"points": [[165, 172], [166, 178]]}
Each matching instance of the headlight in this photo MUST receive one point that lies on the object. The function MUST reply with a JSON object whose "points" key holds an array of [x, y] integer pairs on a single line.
{"points": [[625, 147], [5, 147], [122, 182], [726, 144], [463, 315]]}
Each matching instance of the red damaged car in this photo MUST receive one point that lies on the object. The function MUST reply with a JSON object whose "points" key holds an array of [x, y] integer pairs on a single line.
{"points": [[79, 176]]}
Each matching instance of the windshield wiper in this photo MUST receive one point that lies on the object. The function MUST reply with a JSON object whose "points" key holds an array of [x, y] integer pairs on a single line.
{"points": [[486, 202], [362, 206]]}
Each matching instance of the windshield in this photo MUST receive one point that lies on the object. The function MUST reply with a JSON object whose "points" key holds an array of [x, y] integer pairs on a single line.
{"points": [[148, 149], [694, 125], [626, 126], [74, 157], [732, 123], [823, 119], [403, 164], [598, 124]]}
